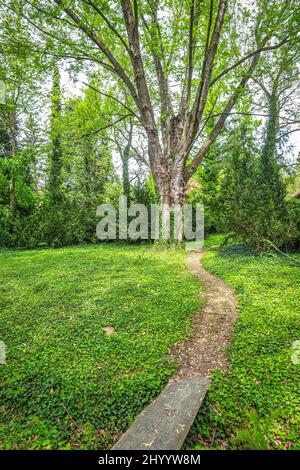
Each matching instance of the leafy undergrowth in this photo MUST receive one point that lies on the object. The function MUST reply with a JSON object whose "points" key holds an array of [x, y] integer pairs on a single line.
{"points": [[65, 383], [257, 404]]}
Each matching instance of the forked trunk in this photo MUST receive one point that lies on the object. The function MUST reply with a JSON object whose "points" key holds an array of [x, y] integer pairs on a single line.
{"points": [[172, 190]]}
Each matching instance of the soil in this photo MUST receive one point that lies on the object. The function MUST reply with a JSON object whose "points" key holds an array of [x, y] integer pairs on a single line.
{"points": [[206, 351]]}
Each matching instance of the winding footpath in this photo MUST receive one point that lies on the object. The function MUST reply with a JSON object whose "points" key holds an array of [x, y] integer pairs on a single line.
{"points": [[212, 325]]}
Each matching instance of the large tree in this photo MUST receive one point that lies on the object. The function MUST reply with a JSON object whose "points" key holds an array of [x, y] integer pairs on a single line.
{"points": [[55, 190], [181, 62]]}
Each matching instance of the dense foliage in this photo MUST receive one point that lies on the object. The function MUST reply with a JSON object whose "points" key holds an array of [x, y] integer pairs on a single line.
{"points": [[51, 184], [252, 198]]}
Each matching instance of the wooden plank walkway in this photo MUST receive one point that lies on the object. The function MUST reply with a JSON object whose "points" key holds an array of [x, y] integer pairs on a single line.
{"points": [[165, 423]]}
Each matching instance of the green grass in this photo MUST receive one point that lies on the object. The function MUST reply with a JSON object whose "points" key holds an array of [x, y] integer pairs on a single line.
{"points": [[257, 404], [66, 384]]}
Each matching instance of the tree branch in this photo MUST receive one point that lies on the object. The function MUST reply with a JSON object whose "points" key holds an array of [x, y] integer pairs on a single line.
{"points": [[262, 86], [208, 62], [114, 98], [287, 133], [165, 102], [131, 21], [118, 69], [186, 92], [248, 56], [103, 128], [219, 125], [109, 24]]}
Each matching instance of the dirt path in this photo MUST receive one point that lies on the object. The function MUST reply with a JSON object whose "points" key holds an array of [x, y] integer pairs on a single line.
{"points": [[206, 350]]}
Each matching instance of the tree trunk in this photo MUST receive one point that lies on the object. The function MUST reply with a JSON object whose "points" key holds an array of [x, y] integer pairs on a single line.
{"points": [[56, 153], [125, 178], [269, 148], [125, 154], [270, 169], [172, 190], [14, 150], [12, 196]]}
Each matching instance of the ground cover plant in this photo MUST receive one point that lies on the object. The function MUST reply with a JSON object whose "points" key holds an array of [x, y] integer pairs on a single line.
{"points": [[256, 404], [66, 384]]}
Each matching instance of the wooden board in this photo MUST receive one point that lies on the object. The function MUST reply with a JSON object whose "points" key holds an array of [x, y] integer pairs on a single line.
{"points": [[165, 423]]}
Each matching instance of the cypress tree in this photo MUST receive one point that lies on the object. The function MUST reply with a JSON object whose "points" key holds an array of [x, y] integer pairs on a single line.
{"points": [[55, 189]]}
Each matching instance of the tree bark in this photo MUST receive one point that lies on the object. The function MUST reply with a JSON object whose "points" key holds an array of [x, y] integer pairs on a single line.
{"points": [[14, 150], [125, 155], [56, 151]]}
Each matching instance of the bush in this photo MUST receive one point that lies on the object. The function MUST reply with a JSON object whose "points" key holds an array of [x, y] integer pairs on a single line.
{"points": [[48, 224], [253, 203]]}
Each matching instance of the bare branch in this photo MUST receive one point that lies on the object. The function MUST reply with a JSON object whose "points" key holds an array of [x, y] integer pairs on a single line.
{"points": [[286, 97], [287, 133], [288, 122], [113, 98], [262, 86], [248, 56], [88, 134]]}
